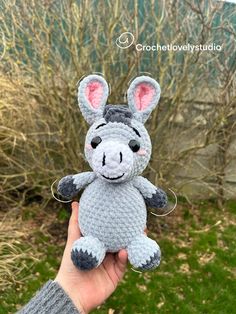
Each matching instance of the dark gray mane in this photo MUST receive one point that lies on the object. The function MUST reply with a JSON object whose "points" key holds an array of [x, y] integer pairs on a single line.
{"points": [[117, 113]]}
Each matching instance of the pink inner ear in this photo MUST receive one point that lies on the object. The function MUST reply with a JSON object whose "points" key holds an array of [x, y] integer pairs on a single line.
{"points": [[94, 93], [143, 96]]}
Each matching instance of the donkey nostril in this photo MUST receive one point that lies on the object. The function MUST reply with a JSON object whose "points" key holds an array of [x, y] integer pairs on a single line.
{"points": [[104, 159], [121, 157]]}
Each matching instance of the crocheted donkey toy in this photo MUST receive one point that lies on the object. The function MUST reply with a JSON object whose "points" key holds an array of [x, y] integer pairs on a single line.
{"points": [[113, 204]]}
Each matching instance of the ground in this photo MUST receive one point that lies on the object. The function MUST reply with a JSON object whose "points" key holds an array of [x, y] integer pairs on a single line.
{"points": [[197, 273]]}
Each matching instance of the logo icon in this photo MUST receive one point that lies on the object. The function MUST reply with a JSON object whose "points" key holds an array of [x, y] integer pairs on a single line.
{"points": [[125, 40]]}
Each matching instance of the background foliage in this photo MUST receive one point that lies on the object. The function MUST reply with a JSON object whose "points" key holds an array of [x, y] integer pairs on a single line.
{"points": [[47, 46]]}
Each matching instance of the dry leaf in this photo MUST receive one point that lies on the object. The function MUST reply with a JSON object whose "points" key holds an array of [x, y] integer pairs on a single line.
{"points": [[184, 268], [160, 304], [182, 256], [206, 258], [142, 288]]}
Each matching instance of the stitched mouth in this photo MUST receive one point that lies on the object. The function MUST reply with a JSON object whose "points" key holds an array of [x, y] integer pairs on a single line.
{"points": [[114, 178]]}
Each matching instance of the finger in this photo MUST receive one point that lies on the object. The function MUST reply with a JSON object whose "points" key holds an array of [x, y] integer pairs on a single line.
{"points": [[73, 228], [121, 262]]}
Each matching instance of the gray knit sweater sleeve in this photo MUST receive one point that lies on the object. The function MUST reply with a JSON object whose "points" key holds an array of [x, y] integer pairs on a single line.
{"points": [[51, 299]]}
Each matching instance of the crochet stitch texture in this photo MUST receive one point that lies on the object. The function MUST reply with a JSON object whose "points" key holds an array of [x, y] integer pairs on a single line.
{"points": [[113, 204]]}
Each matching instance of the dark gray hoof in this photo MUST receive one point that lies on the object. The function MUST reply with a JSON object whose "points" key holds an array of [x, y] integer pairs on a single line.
{"points": [[66, 188], [152, 263], [158, 200], [83, 260]]}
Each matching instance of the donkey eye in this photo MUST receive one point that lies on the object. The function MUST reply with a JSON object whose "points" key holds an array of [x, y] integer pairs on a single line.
{"points": [[134, 145], [96, 141]]}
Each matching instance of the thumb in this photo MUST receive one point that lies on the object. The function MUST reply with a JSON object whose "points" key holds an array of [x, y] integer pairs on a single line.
{"points": [[73, 228]]}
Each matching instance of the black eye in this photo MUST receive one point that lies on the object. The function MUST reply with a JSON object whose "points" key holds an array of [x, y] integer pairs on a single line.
{"points": [[95, 141], [134, 145]]}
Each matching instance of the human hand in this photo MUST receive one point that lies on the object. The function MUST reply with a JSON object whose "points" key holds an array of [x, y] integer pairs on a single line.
{"points": [[88, 289]]}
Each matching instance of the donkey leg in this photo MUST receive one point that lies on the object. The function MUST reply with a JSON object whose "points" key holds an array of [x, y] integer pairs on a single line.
{"points": [[87, 253], [144, 253]]}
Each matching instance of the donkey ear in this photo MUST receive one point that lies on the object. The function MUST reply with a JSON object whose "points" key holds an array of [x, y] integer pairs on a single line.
{"points": [[143, 96], [92, 96]]}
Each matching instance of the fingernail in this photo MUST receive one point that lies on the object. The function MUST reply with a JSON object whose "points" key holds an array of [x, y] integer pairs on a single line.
{"points": [[75, 205]]}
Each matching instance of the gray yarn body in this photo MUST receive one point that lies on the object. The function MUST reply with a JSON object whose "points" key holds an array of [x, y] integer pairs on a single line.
{"points": [[115, 216], [112, 216]]}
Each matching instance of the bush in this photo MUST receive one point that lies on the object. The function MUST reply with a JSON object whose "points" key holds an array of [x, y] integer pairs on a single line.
{"points": [[47, 46]]}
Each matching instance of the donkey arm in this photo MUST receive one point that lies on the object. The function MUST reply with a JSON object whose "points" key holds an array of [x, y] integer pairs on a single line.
{"points": [[153, 196], [70, 185]]}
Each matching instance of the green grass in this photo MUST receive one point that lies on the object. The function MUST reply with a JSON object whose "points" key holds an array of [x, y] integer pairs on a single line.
{"points": [[197, 273]]}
